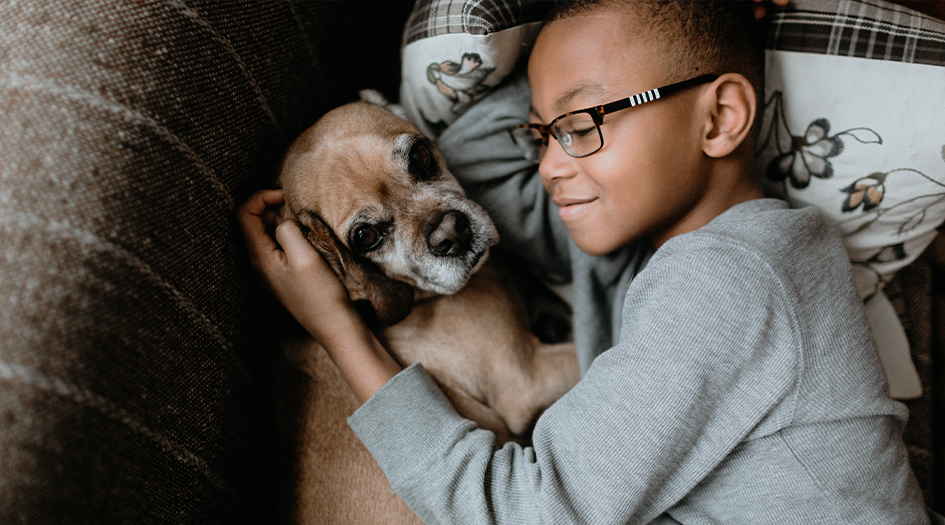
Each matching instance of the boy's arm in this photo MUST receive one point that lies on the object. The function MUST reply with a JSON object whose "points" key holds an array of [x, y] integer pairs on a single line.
{"points": [[481, 154], [652, 416]]}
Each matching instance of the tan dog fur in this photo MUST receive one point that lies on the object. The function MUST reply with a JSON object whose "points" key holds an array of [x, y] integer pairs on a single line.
{"points": [[353, 166]]}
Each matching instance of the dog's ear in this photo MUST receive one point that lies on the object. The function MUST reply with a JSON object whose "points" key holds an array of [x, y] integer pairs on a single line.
{"points": [[378, 99], [284, 214], [391, 301]]}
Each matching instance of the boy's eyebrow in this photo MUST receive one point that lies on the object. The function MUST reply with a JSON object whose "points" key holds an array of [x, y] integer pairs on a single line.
{"points": [[591, 90], [586, 89]]}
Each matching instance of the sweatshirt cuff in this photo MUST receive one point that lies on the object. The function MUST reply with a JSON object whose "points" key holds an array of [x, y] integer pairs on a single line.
{"points": [[405, 420]]}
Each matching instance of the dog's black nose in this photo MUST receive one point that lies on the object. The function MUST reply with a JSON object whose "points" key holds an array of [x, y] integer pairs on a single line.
{"points": [[452, 236]]}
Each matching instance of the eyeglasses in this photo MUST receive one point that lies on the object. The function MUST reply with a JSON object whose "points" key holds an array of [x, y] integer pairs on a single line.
{"points": [[578, 132]]}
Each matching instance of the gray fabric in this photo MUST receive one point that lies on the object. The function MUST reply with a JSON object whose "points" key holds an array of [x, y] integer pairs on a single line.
{"points": [[133, 378], [745, 388]]}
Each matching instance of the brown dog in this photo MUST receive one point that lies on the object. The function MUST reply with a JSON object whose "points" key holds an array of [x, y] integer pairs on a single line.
{"points": [[375, 198]]}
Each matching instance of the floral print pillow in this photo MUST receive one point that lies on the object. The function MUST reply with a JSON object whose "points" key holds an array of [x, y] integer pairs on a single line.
{"points": [[864, 141]]}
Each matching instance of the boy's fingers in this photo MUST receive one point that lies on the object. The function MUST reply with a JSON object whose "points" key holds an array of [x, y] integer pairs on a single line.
{"points": [[294, 244], [258, 241], [269, 217], [251, 216], [257, 203]]}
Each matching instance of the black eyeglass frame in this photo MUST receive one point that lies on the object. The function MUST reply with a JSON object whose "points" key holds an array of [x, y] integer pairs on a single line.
{"points": [[597, 112]]}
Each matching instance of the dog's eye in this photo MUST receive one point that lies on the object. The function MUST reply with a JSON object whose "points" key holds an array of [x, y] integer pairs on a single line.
{"points": [[365, 238], [421, 162]]}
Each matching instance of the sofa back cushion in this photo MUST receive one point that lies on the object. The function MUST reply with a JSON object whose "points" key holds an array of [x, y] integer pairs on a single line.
{"points": [[133, 363]]}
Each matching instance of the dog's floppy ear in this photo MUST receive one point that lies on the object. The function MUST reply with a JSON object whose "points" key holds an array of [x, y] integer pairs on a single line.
{"points": [[391, 300]]}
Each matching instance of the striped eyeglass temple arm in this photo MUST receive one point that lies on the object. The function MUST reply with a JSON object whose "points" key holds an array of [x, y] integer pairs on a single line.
{"points": [[653, 94]]}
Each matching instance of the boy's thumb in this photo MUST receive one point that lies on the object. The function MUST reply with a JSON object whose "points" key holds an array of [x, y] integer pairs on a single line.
{"points": [[293, 242]]}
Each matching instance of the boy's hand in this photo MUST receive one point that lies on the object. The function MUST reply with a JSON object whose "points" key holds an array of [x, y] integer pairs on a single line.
{"points": [[312, 293], [294, 271], [760, 8]]}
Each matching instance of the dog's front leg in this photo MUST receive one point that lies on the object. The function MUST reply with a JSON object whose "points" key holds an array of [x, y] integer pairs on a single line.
{"points": [[548, 373]]}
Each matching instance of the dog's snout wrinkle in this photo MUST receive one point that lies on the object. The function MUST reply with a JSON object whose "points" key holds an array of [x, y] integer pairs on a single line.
{"points": [[452, 236]]}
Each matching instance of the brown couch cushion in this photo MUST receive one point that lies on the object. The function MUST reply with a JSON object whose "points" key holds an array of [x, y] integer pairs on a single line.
{"points": [[133, 376]]}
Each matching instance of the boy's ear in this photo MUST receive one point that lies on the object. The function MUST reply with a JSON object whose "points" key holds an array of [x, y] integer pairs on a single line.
{"points": [[733, 106]]}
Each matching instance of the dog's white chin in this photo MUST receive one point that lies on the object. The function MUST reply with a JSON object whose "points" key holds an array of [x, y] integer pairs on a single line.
{"points": [[452, 276]]}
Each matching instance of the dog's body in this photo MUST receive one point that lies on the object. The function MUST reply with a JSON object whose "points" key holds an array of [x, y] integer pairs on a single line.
{"points": [[413, 255]]}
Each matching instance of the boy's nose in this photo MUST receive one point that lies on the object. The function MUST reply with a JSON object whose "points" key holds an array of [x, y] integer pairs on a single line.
{"points": [[556, 164]]}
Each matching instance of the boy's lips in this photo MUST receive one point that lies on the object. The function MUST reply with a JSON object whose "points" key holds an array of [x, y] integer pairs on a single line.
{"points": [[570, 207]]}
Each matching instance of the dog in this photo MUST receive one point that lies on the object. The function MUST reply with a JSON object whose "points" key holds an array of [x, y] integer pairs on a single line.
{"points": [[376, 200]]}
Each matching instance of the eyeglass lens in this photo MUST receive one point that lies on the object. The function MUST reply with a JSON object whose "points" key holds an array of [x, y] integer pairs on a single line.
{"points": [[578, 134]]}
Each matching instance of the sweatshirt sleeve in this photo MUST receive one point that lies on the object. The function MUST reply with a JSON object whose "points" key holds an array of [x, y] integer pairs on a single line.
{"points": [[706, 358], [481, 154]]}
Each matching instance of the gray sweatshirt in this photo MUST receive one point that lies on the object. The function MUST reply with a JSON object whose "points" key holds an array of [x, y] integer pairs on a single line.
{"points": [[738, 382]]}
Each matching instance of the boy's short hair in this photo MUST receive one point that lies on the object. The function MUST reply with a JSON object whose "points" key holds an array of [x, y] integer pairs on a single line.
{"points": [[705, 36]]}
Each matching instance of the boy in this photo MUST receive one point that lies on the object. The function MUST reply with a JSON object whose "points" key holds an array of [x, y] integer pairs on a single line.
{"points": [[729, 375]]}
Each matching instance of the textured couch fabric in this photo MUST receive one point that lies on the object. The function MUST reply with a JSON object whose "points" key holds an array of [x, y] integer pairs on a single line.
{"points": [[133, 374], [134, 368], [910, 294], [935, 366]]}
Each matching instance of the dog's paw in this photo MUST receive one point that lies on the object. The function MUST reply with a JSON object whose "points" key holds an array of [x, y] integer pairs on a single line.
{"points": [[375, 97]]}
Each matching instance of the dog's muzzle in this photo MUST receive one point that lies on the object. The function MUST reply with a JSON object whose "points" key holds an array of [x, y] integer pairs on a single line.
{"points": [[453, 242], [451, 235]]}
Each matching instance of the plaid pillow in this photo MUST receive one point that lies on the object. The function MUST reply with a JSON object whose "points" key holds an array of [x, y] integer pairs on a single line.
{"points": [[862, 29], [442, 17]]}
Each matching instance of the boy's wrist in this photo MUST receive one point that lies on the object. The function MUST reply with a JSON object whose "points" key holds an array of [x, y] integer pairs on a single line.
{"points": [[362, 359], [336, 327]]}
